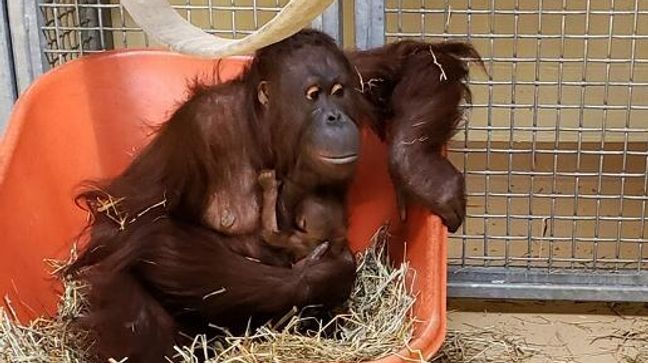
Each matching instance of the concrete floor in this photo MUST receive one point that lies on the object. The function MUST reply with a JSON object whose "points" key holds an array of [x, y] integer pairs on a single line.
{"points": [[559, 331]]}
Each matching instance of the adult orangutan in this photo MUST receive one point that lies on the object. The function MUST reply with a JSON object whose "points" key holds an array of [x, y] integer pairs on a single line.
{"points": [[170, 237]]}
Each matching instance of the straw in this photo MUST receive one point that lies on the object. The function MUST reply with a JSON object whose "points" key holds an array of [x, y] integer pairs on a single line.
{"points": [[376, 322]]}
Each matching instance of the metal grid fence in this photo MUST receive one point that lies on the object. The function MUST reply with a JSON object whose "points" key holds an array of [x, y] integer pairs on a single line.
{"points": [[556, 147], [76, 27]]}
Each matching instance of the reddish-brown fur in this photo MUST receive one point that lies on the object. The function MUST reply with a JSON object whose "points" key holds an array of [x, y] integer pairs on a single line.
{"points": [[417, 89], [187, 210], [157, 239], [319, 217], [183, 277]]}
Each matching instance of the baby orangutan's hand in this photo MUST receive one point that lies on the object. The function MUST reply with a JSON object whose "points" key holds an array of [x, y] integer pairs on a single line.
{"points": [[267, 179], [316, 254]]}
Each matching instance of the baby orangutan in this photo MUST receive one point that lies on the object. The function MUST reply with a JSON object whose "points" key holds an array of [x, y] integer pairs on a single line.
{"points": [[318, 219]]}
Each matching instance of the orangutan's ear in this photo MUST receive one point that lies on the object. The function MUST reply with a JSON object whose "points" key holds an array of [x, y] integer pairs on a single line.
{"points": [[262, 93], [301, 223]]}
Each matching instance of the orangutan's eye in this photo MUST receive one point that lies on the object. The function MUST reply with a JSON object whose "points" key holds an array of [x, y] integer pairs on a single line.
{"points": [[312, 93], [337, 90]]}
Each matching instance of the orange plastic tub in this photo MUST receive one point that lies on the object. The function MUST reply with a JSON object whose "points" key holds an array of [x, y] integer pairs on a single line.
{"points": [[86, 119]]}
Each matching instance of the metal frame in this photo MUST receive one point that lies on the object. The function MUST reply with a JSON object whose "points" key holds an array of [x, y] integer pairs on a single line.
{"points": [[7, 77], [331, 22], [531, 284], [25, 22], [369, 24]]}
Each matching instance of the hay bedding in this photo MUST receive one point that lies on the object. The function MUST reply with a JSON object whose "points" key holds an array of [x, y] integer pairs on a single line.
{"points": [[376, 323]]}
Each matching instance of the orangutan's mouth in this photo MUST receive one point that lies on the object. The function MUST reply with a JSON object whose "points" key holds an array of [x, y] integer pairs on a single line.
{"points": [[340, 159]]}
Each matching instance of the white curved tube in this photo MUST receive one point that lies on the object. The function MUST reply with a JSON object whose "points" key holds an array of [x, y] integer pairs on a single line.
{"points": [[160, 21]]}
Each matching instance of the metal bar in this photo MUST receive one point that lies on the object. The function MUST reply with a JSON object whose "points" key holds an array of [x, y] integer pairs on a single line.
{"points": [[472, 11], [422, 16], [556, 144], [534, 135], [369, 23], [25, 22], [583, 93], [109, 6], [554, 196], [551, 152], [509, 201], [331, 22], [122, 19], [93, 21], [641, 240], [489, 134], [234, 29], [400, 20], [520, 283], [512, 36], [466, 129], [255, 14], [574, 219], [82, 36], [604, 127], [7, 77], [631, 77]]}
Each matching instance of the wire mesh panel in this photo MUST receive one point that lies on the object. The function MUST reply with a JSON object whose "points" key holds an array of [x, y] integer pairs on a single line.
{"points": [[556, 149], [7, 78], [76, 27]]}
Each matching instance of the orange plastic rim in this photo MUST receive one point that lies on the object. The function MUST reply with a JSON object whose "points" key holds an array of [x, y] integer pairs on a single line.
{"points": [[87, 118]]}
